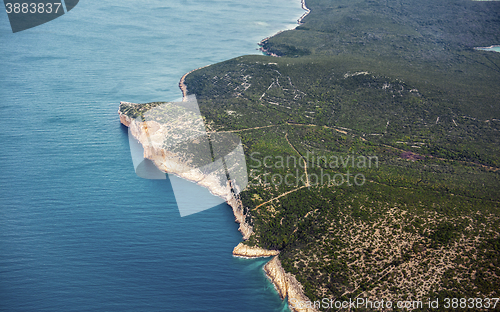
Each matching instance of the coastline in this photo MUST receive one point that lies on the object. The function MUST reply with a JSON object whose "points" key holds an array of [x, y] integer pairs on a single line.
{"points": [[182, 86], [285, 283], [244, 251], [287, 286], [490, 48], [299, 22], [304, 7], [140, 131]]}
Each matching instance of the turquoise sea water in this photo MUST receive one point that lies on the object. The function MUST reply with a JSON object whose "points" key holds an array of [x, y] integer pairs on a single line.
{"points": [[79, 231], [493, 48]]}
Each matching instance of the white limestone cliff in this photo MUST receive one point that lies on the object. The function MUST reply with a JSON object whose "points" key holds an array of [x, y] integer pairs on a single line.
{"points": [[150, 136], [287, 286], [243, 250], [145, 133]]}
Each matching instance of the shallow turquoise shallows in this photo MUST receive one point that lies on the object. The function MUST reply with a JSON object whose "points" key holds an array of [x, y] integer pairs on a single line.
{"points": [[79, 231], [493, 48]]}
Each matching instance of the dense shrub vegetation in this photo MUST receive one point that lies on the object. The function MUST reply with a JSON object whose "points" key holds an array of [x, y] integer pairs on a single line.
{"points": [[394, 79]]}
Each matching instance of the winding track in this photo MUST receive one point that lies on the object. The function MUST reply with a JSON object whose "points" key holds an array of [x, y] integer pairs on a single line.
{"points": [[305, 163]]}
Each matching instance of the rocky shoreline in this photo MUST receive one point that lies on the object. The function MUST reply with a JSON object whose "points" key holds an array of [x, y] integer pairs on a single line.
{"points": [[304, 7], [244, 251], [287, 286], [153, 151], [487, 48], [182, 86], [299, 22], [285, 283]]}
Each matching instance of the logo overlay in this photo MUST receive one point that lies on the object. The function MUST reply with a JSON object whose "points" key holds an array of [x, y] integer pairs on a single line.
{"points": [[171, 137], [25, 14]]}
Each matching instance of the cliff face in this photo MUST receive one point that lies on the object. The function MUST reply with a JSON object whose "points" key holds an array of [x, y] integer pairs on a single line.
{"points": [[245, 228], [287, 286], [253, 252], [124, 119], [150, 135]]}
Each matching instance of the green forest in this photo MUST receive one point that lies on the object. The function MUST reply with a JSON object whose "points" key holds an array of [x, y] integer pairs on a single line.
{"points": [[398, 80]]}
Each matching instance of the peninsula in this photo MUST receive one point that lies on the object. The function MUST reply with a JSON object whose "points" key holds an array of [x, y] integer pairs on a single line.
{"points": [[396, 80]]}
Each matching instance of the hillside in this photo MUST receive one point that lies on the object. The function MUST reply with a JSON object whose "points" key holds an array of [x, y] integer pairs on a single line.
{"points": [[391, 99]]}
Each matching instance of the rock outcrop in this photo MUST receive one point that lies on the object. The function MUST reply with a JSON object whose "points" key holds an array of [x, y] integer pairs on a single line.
{"points": [[253, 252], [239, 213], [287, 286], [150, 135]]}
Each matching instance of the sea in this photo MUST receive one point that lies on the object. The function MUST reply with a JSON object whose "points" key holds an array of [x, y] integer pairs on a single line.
{"points": [[79, 230], [494, 48]]}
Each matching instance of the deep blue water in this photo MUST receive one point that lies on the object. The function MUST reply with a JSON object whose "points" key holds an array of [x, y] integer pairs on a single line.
{"points": [[79, 231]]}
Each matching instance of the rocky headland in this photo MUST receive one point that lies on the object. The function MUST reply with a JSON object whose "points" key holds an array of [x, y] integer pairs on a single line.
{"points": [[242, 250], [151, 135], [285, 283], [287, 286]]}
